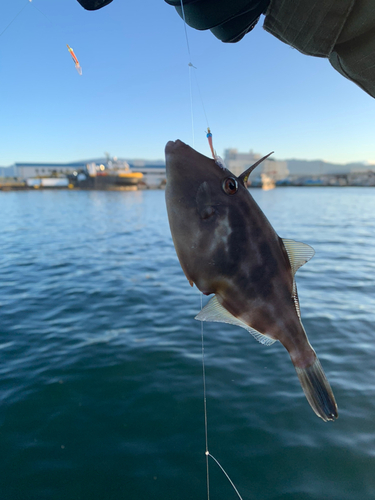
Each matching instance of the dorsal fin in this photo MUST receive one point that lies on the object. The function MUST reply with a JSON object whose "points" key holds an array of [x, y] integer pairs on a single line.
{"points": [[245, 175], [296, 300], [298, 253], [214, 311]]}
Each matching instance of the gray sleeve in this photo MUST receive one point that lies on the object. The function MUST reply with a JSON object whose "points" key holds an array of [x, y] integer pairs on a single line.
{"points": [[341, 30], [354, 52]]}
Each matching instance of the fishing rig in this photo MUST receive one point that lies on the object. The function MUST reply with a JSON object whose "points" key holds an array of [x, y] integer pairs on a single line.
{"points": [[220, 162], [27, 2]]}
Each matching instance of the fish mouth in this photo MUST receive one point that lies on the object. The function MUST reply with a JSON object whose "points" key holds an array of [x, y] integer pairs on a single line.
{"points": [[172, 156], [171, 146]]}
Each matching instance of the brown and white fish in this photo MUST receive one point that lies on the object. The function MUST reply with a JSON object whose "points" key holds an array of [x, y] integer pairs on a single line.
{"points": [[226, 246]]}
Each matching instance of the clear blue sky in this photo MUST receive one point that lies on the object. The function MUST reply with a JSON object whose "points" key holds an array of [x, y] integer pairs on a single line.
{"points": [[133, 95]]}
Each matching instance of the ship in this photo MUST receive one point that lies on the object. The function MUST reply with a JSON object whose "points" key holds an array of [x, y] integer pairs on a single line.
{"points": [[114, 175], [268, 182]]}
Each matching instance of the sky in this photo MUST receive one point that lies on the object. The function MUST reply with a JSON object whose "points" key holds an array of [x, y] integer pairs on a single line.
{"points": [[134, 92]]}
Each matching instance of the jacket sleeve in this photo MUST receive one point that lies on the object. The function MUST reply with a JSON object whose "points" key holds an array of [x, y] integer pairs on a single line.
{"points": [[341, 30], [354, 52]]}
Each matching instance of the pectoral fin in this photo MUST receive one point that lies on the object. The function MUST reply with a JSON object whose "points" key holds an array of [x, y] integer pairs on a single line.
{"points": [[214, 311]]}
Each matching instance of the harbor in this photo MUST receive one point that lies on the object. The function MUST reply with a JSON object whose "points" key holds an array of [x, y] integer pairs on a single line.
{"points": [[109, 174], [110, 388], [128, 175]]}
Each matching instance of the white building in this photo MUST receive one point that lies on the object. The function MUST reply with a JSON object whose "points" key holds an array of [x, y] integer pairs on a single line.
{"points": [[27, 170], [154, 174], [153, 177], [276, 169], [239, 162]]}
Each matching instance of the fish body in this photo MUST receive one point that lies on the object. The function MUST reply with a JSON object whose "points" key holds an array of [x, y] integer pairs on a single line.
{"points": [[226, 246]]}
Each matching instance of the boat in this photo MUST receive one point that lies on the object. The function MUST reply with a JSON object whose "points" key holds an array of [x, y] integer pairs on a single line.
{"points": [[267, 182], [115, 175]]}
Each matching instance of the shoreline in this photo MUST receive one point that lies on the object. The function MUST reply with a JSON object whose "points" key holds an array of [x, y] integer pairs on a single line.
{"points": [[12, 187]]}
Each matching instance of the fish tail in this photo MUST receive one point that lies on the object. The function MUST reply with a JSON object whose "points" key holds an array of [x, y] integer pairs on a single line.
{"points": [[317, 390]]}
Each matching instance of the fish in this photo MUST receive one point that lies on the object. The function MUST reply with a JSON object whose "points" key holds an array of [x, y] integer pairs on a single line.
{"points": [[227, 247]]}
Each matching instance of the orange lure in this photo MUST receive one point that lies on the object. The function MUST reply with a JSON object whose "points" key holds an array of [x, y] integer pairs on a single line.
{"points": [[76, 62]]}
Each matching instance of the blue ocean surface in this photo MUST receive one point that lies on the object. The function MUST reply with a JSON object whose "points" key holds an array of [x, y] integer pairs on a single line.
{"points": [[101, 392]]}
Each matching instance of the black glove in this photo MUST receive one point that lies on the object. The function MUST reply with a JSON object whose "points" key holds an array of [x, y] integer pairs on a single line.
{"points": [[229, 20], [94, 4]]}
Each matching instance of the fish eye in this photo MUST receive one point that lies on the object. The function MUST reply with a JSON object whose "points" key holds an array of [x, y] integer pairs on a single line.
{"points": [[230, 185]]}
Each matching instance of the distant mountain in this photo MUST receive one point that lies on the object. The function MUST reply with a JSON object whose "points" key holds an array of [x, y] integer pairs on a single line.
{"points": [[133, 162], [320, 167]]}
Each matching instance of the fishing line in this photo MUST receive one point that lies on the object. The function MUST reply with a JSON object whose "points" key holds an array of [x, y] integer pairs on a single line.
{"points": [[191, 105], [209, 136], [201, 98], [207, 453], [186, 36], [191, 68], [14, 18], [53, 23], [48, 19], [226, 475], [34, 6]]}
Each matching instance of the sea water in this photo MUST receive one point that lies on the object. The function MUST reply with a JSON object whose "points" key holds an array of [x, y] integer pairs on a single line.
{"points": [[101, 394]]}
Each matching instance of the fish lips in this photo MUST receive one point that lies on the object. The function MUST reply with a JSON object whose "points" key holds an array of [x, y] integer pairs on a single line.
{"points": [[174, 152], [172, 146]]}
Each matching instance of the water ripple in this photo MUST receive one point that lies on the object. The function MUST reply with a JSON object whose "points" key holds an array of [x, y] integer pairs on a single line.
{"points": [[100, 357]]}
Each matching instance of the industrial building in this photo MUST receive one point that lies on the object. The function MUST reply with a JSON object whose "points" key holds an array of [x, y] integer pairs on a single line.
{"points": [[238, 162], [26, 170]]}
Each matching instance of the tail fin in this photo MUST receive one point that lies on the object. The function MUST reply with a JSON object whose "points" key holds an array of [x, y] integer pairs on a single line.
{"points": [[318, 391]]}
